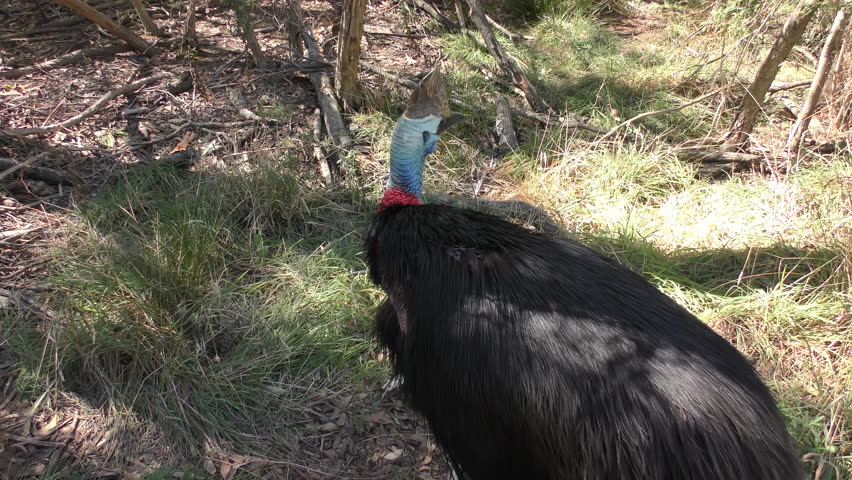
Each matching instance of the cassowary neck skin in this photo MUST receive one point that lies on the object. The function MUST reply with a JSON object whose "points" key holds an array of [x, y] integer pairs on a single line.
{"points": [[413, 139]]}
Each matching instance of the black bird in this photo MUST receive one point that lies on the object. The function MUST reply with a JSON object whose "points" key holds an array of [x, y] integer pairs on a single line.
{"points": [[534, 357]]}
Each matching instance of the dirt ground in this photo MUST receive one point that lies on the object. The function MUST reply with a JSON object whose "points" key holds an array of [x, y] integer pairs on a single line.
{"points": [[360, 435]]}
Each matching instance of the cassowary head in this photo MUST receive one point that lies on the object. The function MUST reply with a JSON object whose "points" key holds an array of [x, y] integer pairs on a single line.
{"points": [[416, 134]]}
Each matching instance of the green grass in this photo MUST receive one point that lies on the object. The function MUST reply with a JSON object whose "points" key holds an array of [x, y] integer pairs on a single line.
{"points": [[209, 305], [189, 299]]}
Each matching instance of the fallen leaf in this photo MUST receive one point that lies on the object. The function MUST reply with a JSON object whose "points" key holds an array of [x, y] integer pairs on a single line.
{"points": [[328, 427], [394, 454]]}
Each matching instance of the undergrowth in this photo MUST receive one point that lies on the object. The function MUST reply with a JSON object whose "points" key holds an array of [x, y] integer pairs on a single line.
{"points": [[190, 299]]}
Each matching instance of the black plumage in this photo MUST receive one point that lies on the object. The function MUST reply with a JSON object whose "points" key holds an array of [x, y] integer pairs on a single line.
{"points": [[535, 357]]}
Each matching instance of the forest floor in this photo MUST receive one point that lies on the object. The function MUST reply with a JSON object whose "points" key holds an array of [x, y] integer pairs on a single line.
{"points": [[160, 320]]}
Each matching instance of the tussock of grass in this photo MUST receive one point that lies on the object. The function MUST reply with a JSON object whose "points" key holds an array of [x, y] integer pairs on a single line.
{"points": [[188, 298]]}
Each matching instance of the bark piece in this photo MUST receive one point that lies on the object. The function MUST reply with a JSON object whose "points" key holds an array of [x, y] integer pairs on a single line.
{"points": [[146, 19], [503, 124], [325, 95]]}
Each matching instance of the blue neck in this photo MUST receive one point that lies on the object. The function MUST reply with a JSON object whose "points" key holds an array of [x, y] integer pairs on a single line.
{"points": [[413, 139]]}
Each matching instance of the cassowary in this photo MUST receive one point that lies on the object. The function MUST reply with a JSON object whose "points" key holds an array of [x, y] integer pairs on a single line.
{"points": [[534, 357]]}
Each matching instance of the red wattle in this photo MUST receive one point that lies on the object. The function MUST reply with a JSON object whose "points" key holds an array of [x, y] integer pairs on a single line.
{"points": [[397, 196]]}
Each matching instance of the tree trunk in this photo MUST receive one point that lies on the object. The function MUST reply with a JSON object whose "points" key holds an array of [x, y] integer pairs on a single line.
{"points": [[507, 64], [348, 51], [146, 19], [293, 19], [752, 101], [190, 36], [247, 30], [826, 60], [101, 20]]}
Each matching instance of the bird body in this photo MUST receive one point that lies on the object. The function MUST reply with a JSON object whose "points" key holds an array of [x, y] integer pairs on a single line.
{"points": [[535, 357]]}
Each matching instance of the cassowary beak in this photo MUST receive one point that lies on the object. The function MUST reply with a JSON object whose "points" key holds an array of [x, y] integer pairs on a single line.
{"points": [[430, 98]]}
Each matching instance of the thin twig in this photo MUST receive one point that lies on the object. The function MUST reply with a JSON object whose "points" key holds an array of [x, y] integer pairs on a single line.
{"points": [[89, 111], [660, 112]]}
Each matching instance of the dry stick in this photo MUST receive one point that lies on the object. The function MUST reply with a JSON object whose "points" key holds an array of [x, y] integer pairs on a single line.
{"points": [[826, 59], [780, 86], [66, 59], [146, 19], [101, 20], [89, 111], [752, 101], [659, 112], [509, 66], [446, 22], [514, 37], [325, 95]]}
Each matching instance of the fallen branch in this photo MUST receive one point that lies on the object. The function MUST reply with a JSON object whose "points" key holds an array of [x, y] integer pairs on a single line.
{"points": [[325, 95], [101, 20], [241, 105], [779, 86], [89, 111], [514, 37], [659, 112], [48, 175], [67, 59], [515, 209], [446, 22], [508, 64]]}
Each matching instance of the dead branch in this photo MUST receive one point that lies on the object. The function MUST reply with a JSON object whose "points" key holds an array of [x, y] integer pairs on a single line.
{"points": [[780, 86], [325, 95], [752, 101], [446, 22], [66, 59], [514, 37], [721, 163], [826, 60], [146, 19], [89, 111], [325, 168], [509, 66], [515, 209], [101, 20], [660, 112], [44, 174], [241, 105]]}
